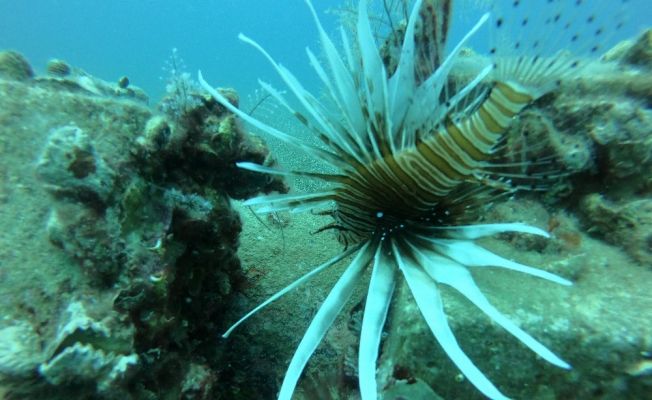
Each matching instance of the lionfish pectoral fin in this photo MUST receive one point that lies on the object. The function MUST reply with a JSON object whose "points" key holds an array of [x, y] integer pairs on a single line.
{"points": [[470, 254], [451, 273], [291, 202], [324, 318], [428, 299], [249, 166], [482, 230], [379, 296]]}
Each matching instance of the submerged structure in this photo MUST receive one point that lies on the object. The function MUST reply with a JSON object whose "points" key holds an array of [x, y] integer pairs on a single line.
{"points": [[418, 155], [129, 228]]}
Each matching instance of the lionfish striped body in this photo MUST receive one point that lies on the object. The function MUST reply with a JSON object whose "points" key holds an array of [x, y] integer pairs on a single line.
{"points": [[416, 183], [415, 165]]}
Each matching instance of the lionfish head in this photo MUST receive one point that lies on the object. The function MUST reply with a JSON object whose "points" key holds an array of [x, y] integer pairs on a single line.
{"points": [[416, 162]]}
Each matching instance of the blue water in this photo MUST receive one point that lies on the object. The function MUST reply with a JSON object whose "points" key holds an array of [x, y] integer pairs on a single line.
{"points": [[135, 37]]}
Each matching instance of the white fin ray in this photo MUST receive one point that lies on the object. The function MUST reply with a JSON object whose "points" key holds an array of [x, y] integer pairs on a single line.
{"points": [[472, 255], [324, 318], [292, 286], [379, 296], [482, 230], [327, 117], [353, 127], [528, 54], [374, 84], [402, 84], [426, 98], [375, 75], [428, 299], [461, 95], [307, 100], [296, 209], [335, 129], [351, 62], [276, 95], [249, 166], [449, 272], [346, 93], [291, 202], [321, 154], [324, 112]]}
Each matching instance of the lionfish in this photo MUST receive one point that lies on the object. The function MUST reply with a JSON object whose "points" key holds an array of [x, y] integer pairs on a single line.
{"points": [[416, 161]]}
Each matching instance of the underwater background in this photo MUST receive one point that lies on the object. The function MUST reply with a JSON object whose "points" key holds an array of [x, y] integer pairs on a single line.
{"points": [[135, 38], [126, 251]]}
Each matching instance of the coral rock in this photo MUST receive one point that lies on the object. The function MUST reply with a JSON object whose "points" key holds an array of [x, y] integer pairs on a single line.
{"points": [[14, 66], [58, 68], [71, 167], [628, 225], [20, 351], [640, 53], [89, 350]]}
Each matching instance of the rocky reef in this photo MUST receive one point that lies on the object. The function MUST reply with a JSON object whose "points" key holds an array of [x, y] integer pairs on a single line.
{"points": [[119, 253]]}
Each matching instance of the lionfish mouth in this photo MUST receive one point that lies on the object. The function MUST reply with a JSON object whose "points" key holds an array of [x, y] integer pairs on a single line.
{"points": [[414, 162]]}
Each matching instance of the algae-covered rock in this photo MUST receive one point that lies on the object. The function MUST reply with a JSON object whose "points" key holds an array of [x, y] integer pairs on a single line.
{"points": [[200, 136], [59, 68], [625, 224], [198, 384], [14, 66], [71, 167], [20, 350], [126, 207], [82, 364], [83, 356], [594, 133], [93, 241], [640, 52], [87, 351], [160, 137], [65, 77]]}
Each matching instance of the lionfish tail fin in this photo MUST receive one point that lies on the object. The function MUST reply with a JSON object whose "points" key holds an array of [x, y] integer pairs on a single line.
{"points": [[527, 38]]}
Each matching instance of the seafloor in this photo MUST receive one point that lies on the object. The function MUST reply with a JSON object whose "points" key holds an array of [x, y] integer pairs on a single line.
{"points": [[125, 252]]}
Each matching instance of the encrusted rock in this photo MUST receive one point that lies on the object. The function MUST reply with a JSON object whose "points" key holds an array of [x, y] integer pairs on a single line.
{"points": [[81, 363], [20, 352], [71, 167], [58, 68], [87, 350], [145, 265], [640, 53], [624, 224], [14, 66], [157, 137], [90, 239], [198, 383]]}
